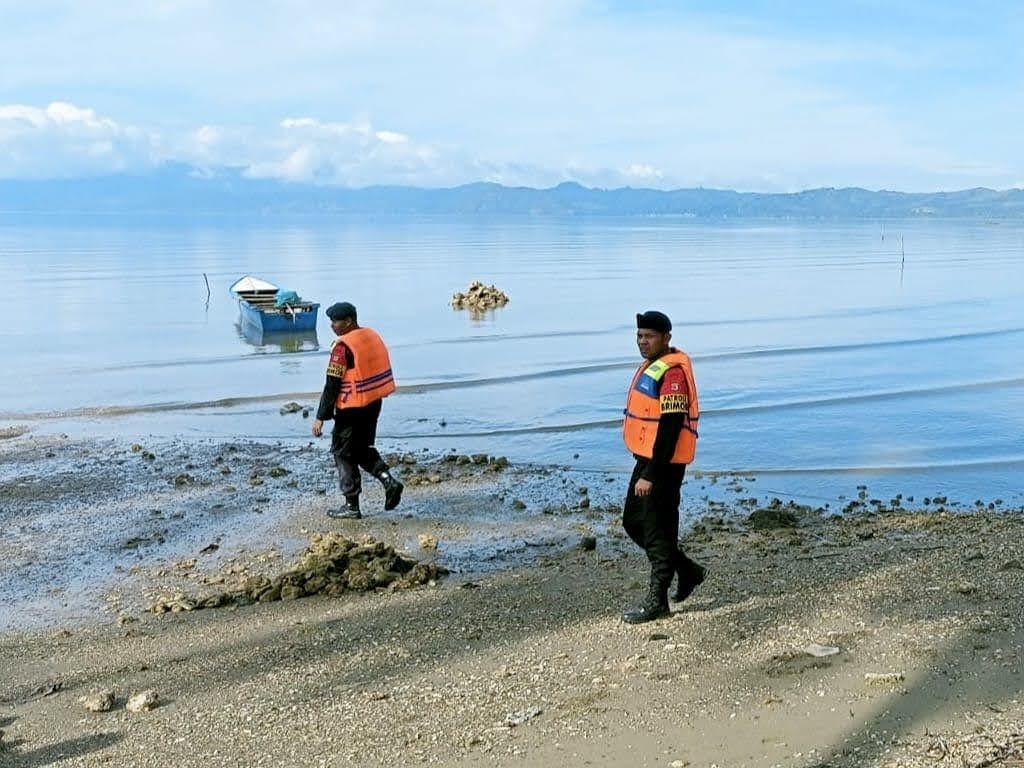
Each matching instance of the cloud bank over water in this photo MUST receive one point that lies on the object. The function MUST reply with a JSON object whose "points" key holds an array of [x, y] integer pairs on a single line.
{"points": [[751, 96], [62, 140]]}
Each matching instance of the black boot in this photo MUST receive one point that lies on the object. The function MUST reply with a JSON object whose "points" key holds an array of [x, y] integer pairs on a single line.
{"points": [[654, 606], [392, 487], [690, 574], [348, 512]]}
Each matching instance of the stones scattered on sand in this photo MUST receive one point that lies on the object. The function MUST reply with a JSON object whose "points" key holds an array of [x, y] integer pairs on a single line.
{"points": [[331, 565], [479, 297], [518, 504], [143, 701], [883, 678], [480, 459], [423, 479], [444, 470], [183, 480], [426, 541], [776, 515], [290, 407], [101, 701], [15, 430], [515, 719], [49, 688], [795, 662], [588, 543], [820, 651]]}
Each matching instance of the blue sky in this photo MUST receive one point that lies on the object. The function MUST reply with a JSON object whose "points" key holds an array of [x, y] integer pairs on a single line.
{"points": [[752, 95]]}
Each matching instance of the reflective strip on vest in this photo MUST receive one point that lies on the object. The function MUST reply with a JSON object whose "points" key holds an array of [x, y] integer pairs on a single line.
{"points": [[370, 378]]}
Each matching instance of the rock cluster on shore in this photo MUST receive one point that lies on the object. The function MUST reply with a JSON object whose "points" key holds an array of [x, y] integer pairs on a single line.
{"points": [[332, 565], [479, 297], [453, 466]]}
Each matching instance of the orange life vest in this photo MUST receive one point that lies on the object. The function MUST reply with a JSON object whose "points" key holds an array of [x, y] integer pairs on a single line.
{"points": [[370, 377], [643, 409]]}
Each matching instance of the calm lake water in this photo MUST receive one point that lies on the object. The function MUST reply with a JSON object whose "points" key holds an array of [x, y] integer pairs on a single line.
{"points": [[822, 364]]}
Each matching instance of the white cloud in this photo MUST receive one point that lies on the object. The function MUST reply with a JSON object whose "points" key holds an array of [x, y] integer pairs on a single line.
{"points": [[63, 140], [528, 91], [58, 115], [345, 153], [19, 113], [643, 172], [390, 137]]}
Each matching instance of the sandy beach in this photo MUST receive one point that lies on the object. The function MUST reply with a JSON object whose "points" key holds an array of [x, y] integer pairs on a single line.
{"points": [[889, 636]]}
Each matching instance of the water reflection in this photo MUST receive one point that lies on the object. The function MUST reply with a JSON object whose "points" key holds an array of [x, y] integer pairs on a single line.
{"points": [[278, 342]]}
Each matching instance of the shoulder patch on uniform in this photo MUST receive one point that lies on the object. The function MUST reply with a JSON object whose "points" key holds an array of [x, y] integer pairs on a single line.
{"points": [[674, 380], [336, 365]]}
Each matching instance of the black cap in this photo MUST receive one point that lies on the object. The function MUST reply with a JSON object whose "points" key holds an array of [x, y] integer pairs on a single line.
{"points": [[341, 311], [654, 320]]}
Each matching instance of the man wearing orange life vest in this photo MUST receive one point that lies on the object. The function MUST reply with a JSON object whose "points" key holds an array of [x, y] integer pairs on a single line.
{"points": [[660, 430], [359, 377]]}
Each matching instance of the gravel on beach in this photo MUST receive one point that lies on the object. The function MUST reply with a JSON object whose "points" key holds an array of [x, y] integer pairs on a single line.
{"points": [[884, 637]]}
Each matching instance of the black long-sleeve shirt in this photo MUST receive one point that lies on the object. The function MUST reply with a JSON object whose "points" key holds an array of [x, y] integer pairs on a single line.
{"points": [[340, 361], [669, 427], [670, 423]]}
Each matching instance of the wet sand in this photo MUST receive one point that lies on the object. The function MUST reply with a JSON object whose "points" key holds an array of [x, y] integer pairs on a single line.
{"points": [[888, 637], [93, 525]]}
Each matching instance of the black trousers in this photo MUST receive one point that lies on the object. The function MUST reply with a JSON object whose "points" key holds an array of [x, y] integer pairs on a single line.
{"points": [[652, 521], [355, 431]]}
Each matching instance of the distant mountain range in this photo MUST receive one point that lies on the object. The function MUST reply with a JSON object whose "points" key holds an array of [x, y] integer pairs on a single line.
{"points": [[184, 190]]}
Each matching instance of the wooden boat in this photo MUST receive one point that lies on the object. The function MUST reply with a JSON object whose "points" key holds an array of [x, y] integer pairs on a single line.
{"points": [[261, 306]]}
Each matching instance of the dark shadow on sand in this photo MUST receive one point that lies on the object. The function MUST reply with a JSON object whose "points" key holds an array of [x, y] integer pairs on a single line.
{"points": [[15, 756]]}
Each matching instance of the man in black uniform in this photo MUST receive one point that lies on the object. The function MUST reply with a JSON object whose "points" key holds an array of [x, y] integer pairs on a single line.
{"points": [[660, 430], [359, 377]]}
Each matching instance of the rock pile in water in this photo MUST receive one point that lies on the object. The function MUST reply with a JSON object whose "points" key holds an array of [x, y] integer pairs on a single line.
{"points": [[332, 565], [479, 297]]}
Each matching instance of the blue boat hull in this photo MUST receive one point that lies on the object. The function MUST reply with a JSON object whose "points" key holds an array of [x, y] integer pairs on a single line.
{"points": [[273, 322]]}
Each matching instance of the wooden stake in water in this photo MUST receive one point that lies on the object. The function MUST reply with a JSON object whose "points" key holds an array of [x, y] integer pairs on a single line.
{"points": [[903, 260], [207, 290]]}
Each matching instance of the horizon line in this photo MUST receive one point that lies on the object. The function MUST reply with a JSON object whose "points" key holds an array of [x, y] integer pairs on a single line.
{"points": [[200, 173]]}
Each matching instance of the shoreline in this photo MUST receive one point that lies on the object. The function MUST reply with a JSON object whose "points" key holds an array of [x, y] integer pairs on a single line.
{"points": [[93, 523], [527, 662]]}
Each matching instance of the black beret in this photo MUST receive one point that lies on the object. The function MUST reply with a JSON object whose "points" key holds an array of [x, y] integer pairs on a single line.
{"points": [[654, 320], [341, 311]]}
